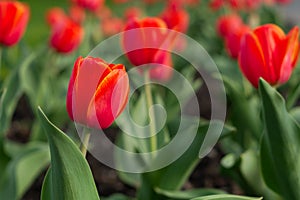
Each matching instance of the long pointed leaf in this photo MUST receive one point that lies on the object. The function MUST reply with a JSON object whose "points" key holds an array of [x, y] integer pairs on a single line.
{"points": [[280, 146], [70, 175]]}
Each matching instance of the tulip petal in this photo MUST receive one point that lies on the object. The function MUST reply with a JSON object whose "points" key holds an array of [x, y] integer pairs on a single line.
{"points": [[251, 59], [290, 55], [269, 37], [109, 100], [87, 74]]}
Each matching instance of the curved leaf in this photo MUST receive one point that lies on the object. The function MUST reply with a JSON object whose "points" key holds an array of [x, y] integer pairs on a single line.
{"points": [[70, 176], [280, 146]]}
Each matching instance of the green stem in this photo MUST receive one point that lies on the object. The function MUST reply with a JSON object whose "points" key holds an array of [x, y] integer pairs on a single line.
{"points": [[85, 142], [149, 99]]}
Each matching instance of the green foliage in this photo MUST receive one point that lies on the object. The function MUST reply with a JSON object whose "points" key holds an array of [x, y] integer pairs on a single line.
{"points": [[280, 145], [69, 176]]}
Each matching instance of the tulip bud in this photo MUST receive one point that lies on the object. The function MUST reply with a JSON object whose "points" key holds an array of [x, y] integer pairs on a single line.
{"points": [[233, 40], [14, 17], [268, 53], [142, 40], [91, 5], [175, 17], [97, 92], [227, 24], [66, 35]]}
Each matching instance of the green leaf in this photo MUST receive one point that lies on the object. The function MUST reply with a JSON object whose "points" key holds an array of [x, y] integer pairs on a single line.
{"points": [[227, 197], [23, 169], [188, 194], [280, 146], [70, 176]]}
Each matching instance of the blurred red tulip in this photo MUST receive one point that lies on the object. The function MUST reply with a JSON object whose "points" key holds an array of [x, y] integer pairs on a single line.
{"points": [[97, 92], [14, 17], [66, 35], [142, 40], [216, 4], [233, 40], [111, 26], [268, 53], [103, 12], [91, 5], [77, 14], [175, 17], [54, 15], [227, 24], [245, 4], [132, 12]]}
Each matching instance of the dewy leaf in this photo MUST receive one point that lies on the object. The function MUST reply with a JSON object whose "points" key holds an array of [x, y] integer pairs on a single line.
{"points": [[70, 175], [280, 146], [227, 197]]}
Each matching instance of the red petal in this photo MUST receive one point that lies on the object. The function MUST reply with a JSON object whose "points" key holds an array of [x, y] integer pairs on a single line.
{"points": [[251, 60]]}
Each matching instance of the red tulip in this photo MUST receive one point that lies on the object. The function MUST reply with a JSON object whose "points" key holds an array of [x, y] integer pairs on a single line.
{"points": [[233, 40], [14, 17], [175, 17], [245, 4], [54, 15], [111, 26], [66, 35], [142, 40], [132, 12], [77, 14], [268, 53], [227, 24], [216, 4], [91, 5], [97, 92]]}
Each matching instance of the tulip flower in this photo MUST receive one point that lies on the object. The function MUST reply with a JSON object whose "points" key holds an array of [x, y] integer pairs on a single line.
{"points": [[175, 17], [132, 12], [141, 43], [268, 53], [14, 17], [91, 5], [54, 15], [111, 26], [77, 14], [227, 24], [233, 40], [216, 4], [97, 92], [66, 35]]}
